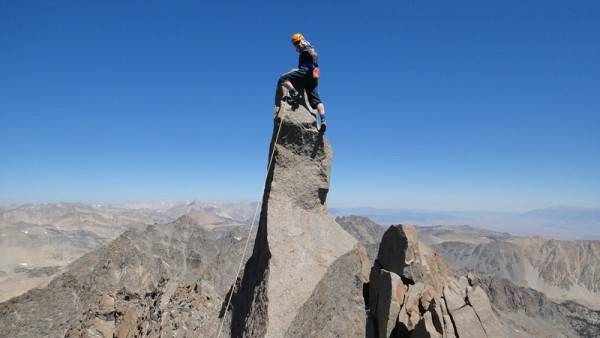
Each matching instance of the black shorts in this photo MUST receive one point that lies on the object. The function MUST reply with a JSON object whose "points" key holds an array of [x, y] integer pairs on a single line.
{"points": [[302, 79]]}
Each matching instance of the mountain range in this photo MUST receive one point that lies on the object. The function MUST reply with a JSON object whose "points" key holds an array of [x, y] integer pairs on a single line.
{"points": [[562, 223], [37, 241], [562, 270]]}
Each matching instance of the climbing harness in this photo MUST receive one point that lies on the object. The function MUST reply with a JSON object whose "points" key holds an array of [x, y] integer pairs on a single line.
{"points": [[253, 221]]}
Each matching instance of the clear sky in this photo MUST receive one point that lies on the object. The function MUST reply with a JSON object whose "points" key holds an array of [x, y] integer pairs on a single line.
{"points": [[452, 105]]}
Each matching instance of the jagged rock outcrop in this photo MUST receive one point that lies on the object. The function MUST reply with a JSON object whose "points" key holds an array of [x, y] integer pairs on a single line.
{"points": [[306, 274], [166, 281], [412, 294]]}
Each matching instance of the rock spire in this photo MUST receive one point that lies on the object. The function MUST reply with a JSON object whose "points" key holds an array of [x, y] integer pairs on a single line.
{"points": [[306, 274]]}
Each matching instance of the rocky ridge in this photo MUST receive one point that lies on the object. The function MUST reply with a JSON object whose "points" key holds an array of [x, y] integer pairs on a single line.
{"points": [[165, 281]]}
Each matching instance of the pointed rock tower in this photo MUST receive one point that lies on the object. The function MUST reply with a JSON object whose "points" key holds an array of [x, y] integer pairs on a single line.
{"points": [[306, 274]]}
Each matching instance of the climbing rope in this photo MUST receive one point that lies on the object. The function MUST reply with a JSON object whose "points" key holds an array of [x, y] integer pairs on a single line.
{"points": [[253, 222]]}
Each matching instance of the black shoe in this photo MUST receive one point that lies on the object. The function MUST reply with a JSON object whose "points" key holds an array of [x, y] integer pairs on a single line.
{"points": [[323, 126], [295, 97]]}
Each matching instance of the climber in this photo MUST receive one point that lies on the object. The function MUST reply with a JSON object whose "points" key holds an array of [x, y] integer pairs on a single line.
{"points": [[306, 75]]}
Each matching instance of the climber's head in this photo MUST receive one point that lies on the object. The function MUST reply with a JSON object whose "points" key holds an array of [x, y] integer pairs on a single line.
{"points": [[297, 38]]}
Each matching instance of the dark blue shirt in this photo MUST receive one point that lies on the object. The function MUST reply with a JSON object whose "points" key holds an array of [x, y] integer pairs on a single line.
{"points": [[307, 58]]}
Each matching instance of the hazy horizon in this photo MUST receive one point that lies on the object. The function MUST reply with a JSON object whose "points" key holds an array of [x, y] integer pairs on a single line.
{"points": [[424, 209], [562, 222]]}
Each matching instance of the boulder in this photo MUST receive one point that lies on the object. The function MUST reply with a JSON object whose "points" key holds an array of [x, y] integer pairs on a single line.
{"points": [[386, 299], [401, 253], [454, 297], [398, 251], [467, 323], [425, 328], [470, 309], [481, 304]]}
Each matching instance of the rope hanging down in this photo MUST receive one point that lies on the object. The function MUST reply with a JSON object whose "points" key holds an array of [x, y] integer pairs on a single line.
{"points": [[253, 222]]}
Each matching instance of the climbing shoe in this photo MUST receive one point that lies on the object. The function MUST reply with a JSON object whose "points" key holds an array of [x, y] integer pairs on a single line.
{"points": [[295, 97], [323, 126]]}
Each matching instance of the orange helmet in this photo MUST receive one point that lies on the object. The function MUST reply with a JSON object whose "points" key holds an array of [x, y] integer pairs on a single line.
{"points": [[297, 38]]}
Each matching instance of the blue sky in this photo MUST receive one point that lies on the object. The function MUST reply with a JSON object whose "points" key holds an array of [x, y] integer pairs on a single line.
{"points": [[462, 105]]}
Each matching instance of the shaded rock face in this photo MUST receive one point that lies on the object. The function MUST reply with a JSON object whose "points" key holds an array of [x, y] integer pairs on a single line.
{"points": [[306, 274], [165, 281], [411, 294]]}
